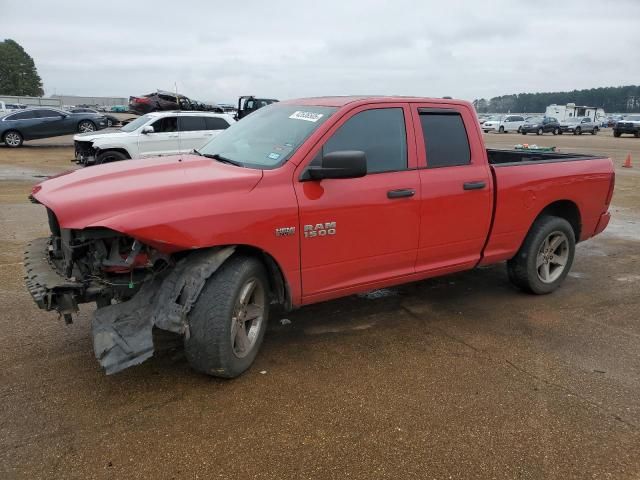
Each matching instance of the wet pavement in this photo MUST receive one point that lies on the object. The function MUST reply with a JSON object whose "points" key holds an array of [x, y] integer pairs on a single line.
{"points": [[457, 377]]}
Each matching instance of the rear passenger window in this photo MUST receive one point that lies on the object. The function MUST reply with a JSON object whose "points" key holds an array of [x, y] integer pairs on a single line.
{"points": [[216, 123], [379, 133], [445, 138], [191, 123], [23, 115]]}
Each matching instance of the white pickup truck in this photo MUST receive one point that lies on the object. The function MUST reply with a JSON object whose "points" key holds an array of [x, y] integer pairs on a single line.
{"points": [[152, 135]]}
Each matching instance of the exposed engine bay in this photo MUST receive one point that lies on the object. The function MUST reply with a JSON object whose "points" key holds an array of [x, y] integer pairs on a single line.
{"points": [[135, 286]]}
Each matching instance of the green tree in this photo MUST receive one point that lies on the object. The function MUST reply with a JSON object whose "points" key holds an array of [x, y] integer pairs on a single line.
{"points": [[18, 74]]}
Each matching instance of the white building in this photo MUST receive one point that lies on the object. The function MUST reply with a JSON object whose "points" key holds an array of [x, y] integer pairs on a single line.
{"points": [[571, 110]]}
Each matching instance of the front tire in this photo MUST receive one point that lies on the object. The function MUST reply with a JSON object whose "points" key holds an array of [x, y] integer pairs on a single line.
{"points": [[540, 131], [501, 130], [229, 319], [110, 156], [594, 131], [556, 131], [86, 126], [578, 131], [616, 133], [545, 258], [12, 139]]}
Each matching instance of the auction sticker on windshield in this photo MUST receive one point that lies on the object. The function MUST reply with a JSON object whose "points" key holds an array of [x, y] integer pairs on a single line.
{"points": [[308, 116]]}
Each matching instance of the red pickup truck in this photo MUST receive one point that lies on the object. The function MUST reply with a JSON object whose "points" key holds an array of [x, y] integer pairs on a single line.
{"points": [[302, 201]]}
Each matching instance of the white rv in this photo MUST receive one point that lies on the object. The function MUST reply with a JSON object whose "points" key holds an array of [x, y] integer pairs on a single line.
{"points": [[571, 110]]}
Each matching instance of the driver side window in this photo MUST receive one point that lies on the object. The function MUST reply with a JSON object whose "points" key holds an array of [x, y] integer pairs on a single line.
{"points": [[380, 133]]}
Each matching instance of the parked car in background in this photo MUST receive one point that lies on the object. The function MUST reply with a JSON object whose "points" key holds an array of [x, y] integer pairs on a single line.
{"points": [[111, 120], [540, 125], [44, 122], [154, 134], [119, 109], [160, 101], [629, 124], [504, 124], [578, 126]]}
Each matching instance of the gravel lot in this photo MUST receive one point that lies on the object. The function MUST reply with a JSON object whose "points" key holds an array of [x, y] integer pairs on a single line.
{"points": [[458, 377]]}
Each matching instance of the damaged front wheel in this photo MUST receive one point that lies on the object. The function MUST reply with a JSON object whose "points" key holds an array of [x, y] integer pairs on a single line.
{"points": [[229, 319]]}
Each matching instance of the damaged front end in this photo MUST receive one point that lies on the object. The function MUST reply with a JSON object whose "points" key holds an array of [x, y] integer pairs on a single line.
{"points": [[135, 287]]}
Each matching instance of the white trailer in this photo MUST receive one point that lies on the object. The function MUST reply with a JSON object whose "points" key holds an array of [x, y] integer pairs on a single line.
{"points": [[571, 110]]}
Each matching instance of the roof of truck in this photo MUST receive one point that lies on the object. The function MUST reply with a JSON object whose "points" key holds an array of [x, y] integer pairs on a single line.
{"points": [[340, 101]]}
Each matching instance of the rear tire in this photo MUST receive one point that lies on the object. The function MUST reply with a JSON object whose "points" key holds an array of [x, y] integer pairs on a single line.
{"points": [[578, 131], [501, 130], [110, 156], [616, 133], [556, 131], [545, 257], [594, 131], [211, 346], [540, 131], [12, 139], [523, 132]]}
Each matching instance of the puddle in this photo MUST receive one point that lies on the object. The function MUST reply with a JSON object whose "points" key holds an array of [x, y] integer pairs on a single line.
{"points": [[623, 225]]}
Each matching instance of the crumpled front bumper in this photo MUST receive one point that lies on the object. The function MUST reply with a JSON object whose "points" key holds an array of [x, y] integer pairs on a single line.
{"points": [[49, 288]]}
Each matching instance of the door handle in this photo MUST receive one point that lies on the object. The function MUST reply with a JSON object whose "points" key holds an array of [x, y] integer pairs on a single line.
{"points": [[173, 136], [473, 185], [401, 193]]}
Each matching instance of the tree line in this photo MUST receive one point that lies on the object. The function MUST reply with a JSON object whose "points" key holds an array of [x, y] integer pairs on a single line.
{"points": [[18, 74], [613, 99]]}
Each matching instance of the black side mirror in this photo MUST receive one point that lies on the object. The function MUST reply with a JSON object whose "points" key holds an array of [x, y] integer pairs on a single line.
{"points": [[340, 164]]}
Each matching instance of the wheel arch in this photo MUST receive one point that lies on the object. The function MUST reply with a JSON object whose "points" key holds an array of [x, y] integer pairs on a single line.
{"points": [[100, 150], [9, 130], [279, 285], [566, 209]]}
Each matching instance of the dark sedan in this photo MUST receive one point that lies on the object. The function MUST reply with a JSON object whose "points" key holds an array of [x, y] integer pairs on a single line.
{"points": [[41, 122], [111, 120], [540, 125]]}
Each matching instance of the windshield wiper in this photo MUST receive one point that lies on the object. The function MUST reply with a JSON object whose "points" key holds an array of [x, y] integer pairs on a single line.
{"points": [[222, 159]]}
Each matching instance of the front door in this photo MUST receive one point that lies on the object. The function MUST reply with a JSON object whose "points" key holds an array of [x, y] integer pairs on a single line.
{"points": [[456, 188], [163, 140], [357, 233]]}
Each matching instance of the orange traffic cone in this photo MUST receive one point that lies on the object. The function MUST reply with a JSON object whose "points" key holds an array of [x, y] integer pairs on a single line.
{"points": [[627, 162]]}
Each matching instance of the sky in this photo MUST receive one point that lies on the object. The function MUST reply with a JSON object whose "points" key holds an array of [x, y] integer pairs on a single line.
{"points": [[218, 50]]}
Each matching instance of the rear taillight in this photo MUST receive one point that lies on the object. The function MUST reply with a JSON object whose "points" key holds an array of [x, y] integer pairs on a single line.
{"points": [[612, 183], [141, 100]]}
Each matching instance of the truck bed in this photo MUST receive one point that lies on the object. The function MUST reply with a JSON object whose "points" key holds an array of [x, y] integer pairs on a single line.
{"points": [[518, 157]]}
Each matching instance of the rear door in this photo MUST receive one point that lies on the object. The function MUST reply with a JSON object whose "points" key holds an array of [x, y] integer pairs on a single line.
{"points": [[193, 132], [163, 141], [26, 122], [456, 188], [361, 231]]}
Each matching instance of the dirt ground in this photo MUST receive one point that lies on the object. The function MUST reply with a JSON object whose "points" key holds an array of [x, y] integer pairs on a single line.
{"points": [[452, 378]]}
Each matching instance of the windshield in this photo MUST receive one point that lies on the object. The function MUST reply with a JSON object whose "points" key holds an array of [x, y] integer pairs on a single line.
{"points": [[495, 118], [633, 118], [138, 122], [534, 120], [269, 136]]}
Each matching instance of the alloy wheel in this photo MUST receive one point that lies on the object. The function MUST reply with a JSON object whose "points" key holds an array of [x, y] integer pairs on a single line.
{"points": [[248, 317], [12, 139], [85, 127], [552, 257]]}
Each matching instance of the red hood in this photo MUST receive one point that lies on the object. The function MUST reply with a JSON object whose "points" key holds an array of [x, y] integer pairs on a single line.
{"points": [[124, 195]]}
